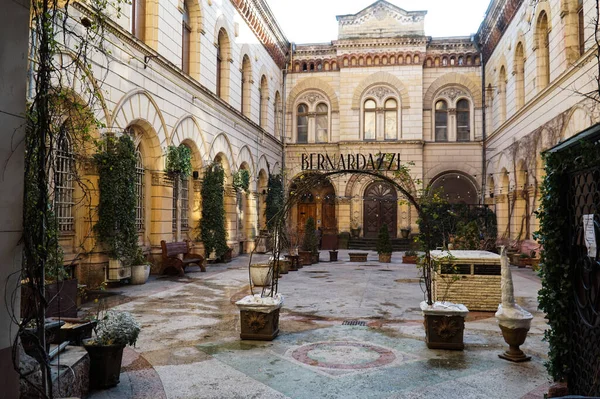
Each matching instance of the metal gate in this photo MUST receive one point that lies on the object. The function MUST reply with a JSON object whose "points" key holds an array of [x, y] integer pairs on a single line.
{"points": [[584, 320]]}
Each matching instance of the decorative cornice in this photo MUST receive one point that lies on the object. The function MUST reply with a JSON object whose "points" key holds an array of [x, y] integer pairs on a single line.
{"points": [[498, 17]]}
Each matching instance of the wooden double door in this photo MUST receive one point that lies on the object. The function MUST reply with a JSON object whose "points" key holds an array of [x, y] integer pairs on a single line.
{"points": [[380, 207]]}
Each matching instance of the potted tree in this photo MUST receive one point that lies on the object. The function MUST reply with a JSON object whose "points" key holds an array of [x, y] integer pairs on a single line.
{"points": [[310, 252], [384, 245], [113, 332]]}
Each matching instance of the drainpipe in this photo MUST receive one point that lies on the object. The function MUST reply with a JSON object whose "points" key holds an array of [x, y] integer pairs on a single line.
{"points": [[483, 115]]}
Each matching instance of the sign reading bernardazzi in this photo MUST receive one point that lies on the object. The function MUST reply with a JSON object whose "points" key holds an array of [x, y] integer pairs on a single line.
{"points": [[379, 161]]}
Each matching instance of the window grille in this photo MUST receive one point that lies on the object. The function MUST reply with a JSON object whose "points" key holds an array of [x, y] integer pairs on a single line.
{"points": [[63, 184], [175, 190], [139, 190]]}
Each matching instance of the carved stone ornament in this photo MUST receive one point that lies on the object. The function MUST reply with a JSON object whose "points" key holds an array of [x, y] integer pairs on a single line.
{"points": [[446, 327], [312, 98], [161, 179], [380, 92], [256, 321], [452, 93]]}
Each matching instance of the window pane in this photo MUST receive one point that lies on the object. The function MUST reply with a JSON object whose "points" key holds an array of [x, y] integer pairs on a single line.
{"points": [[370, 104], [63, 180], [441, 105], [322, 108], [391, 125], [441, 126], [302, 108], [302, 129], [370, 125], [463, 105], [322, 128], [463, 131], [391, 103]]}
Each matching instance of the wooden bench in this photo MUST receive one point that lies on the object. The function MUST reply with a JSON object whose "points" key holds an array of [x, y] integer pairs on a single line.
{"points": [[172, 264]]}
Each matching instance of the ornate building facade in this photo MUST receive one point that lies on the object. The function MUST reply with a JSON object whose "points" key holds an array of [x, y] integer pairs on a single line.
{"points": [[384, 87]]}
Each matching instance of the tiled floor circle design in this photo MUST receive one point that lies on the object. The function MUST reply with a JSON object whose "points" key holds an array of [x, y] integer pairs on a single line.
{"points": [[344, 355]]}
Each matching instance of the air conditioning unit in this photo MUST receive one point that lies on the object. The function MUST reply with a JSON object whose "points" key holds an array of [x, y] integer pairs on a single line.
{"points": [[116, 270]]}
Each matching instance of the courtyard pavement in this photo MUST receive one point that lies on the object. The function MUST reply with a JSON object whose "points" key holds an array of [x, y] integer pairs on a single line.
{"points": [[189, 346]]}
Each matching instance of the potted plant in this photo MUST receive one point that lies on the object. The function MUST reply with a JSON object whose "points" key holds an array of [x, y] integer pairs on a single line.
{"points": [[140, 268], [522, 260], [404, 232], [333, 255], [309, 244], [113, 332], [384, 245], [410, 257]]}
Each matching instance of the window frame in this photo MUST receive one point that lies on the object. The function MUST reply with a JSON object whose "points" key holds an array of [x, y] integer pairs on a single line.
{"points": [[62, 179], [435, 120], [321, 114], [469, 125], [297, 124]]}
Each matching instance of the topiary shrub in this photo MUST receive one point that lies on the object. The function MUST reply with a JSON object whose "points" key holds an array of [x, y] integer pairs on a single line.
{"points": [[310, 243], [384, 244]]}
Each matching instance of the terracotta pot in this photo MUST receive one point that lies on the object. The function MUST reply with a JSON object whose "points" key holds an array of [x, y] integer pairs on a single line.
{"points": [[409, 259], [105, 364], [139, 274], [385, 258]]}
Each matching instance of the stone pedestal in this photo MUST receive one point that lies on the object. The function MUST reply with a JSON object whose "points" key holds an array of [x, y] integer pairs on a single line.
{"points": [[514, 337]]}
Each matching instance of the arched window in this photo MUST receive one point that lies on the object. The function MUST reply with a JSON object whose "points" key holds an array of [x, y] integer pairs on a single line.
{"points": [[138, 18], [502, 93], [322, 123], [543, 51], [391, 119], [463, 121], [302, 123], [519, 76], [222, 67], [278, 115], [441, 121], [139, 190], [370, 120], [63, 182], [580, 27], [264, 101], [186, 32], [246, 85]]}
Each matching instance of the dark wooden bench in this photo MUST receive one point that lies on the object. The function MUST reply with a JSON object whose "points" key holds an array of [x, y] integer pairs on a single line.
{"points": [[172, 264]]}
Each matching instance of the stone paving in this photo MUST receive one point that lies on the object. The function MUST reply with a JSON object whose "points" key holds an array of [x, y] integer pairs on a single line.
{"points": [[190, 346]]}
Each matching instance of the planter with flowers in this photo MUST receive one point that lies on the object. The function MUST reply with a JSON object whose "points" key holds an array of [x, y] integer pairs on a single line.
{"points": [[113, 332]]}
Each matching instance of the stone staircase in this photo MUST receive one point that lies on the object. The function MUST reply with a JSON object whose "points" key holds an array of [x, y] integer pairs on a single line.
{"points": [[364, 244]]}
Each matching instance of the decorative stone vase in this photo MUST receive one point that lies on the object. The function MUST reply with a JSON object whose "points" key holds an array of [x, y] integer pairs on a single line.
{"points": [[139, 274], [105, 364], [514, 323], [385, 258], [444, 325], [259, 317], [333, 256], [305, 258], [404, 233], [260, 274]]}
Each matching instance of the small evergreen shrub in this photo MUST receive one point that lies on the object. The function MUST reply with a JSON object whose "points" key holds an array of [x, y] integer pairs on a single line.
{"points": [[384, 244]]}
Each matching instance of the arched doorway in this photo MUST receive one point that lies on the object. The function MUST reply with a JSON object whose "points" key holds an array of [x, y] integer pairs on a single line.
{"points": [[380, 207], [457, 188], [320, 204]]}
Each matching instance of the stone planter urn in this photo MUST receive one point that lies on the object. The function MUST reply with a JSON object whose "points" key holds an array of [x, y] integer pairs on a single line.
{"points": [[260, 274], [139, 274], [259, 317], [444, 325], [404, 233], [514, 321]]}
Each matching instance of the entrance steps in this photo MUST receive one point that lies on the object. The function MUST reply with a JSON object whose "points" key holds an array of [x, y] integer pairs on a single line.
{"points": [[398, 244]]}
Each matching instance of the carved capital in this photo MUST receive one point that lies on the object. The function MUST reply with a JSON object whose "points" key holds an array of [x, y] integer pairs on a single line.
{"points": [[161, 179]]}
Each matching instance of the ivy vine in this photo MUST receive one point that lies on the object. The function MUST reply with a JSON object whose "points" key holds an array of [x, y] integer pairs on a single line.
{"points": [[212, 222], [116, 228], [241, 180], [275, 198], [179, 161], [555, 296]]}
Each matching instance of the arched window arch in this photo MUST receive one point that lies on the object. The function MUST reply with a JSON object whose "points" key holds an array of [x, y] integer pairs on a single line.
{"points": [[264, 101], [370, 119], [391, 119], [278, 114], [139, 190], [246, 85], [186, 32], [463, 120], [519, 76], [222, 67], [322, 115], [502, 93], [64, 170], [302, 123], [441, 121], [543, 51]]}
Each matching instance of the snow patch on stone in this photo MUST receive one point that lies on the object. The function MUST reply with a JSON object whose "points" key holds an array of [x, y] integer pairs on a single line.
{"points": [[256, 303], [445, 309], [513, 317]]}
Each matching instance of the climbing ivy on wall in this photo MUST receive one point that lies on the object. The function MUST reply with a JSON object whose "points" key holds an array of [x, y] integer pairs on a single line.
{"points": [[555, 271], [179, 161], [212, 222]]}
